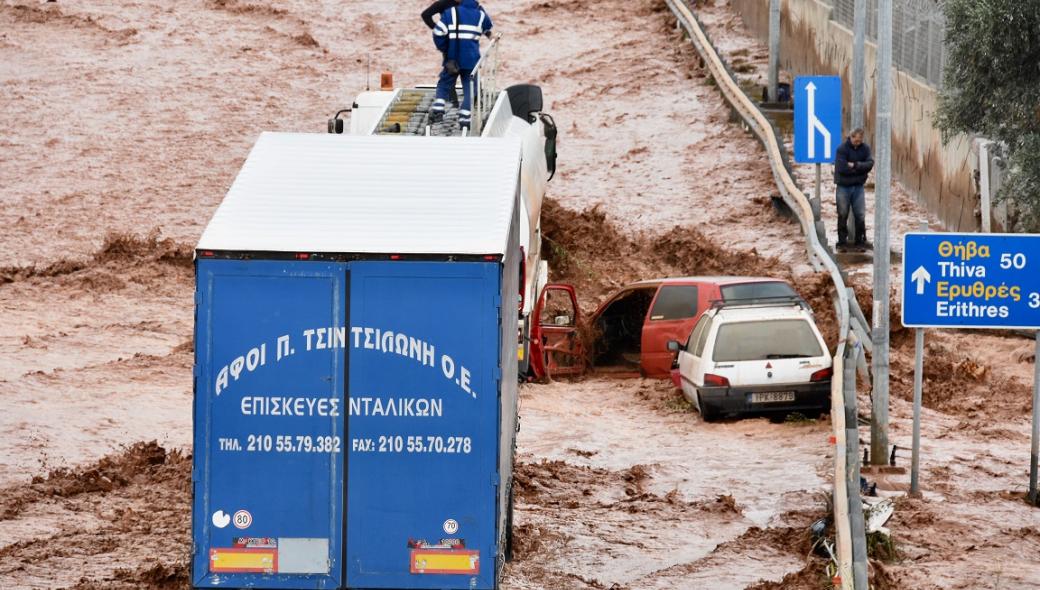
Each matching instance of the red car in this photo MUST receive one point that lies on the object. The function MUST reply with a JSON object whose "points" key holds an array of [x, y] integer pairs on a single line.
{"points": [[631, 329], [634, 325]]}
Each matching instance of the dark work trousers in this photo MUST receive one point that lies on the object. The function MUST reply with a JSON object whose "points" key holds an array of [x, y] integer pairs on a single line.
{"points": [[444, 86], [851, 198]]}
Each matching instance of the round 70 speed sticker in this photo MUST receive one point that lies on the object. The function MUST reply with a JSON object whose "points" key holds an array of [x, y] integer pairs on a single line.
{"points": [[242, 519]]}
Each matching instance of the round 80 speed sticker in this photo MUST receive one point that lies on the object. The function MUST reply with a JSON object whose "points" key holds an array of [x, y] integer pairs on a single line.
{"points": [[242, 519]]}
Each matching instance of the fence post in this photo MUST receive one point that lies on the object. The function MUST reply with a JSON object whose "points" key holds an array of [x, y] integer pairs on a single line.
{"points": [[856, 523]]}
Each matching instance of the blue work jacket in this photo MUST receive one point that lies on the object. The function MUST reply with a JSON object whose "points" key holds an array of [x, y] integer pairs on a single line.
{"points": [[457, 35]]}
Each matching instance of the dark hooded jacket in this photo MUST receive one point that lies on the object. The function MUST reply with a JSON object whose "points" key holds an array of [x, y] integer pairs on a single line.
{"points": [[859, 156]]}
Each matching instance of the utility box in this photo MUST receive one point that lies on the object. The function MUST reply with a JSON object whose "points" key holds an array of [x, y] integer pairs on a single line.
{"points": [[355, 362]]}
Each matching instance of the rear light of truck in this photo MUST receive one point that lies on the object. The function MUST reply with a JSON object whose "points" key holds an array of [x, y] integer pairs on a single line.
{"points": [[715, 380], [822, 375], [523, 279], [303, 256]]}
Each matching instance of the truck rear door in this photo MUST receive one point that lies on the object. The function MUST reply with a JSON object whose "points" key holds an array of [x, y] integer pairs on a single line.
{"points": [[269, 424], [423, 425]]}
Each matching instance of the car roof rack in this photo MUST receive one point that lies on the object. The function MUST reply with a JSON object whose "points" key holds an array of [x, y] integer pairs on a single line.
{"points": [[776, 301]]}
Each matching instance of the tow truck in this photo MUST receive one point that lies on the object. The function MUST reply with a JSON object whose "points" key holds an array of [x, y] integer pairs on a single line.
{"points": [[545, 346]]}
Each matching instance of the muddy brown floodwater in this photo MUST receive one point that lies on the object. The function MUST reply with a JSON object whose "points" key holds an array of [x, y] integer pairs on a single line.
{"points": [[125, 122]]}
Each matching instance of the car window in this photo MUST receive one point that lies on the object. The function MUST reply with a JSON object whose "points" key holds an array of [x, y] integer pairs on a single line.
{"points": [[675, 302], [557, 309], [757, 290], [766, 339], [691, 342], [702, 338]]}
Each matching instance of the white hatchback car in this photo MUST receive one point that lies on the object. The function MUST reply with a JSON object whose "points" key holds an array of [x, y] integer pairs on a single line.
{"points": [[755, 357]]}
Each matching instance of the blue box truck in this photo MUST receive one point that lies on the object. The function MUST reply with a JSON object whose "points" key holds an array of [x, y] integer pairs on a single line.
{"points": [[355, 365]]}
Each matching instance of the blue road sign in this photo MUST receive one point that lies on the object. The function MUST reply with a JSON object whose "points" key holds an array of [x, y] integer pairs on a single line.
{"points": [[817, 119], [971, 280]]}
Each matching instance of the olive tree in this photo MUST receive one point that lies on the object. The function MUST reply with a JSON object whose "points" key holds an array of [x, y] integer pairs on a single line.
{"points": [[992, 88]]}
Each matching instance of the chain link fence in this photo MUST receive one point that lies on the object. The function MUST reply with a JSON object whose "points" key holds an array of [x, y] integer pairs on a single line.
{"points": [[918, 31]]}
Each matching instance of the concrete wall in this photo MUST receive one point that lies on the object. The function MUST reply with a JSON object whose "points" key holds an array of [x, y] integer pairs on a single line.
{"points": [[943, 177]]}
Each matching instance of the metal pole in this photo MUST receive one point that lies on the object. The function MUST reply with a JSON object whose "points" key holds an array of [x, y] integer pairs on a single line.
{"points": [[882, 252], [816, 204], [1036, 421], [984, 186], [915, 461], [859, 77], [774, 48], [859, 36], [857, 525]]}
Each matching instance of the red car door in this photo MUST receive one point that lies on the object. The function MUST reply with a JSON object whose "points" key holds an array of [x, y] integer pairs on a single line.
{"points": [[556, 349], [672, 315]]}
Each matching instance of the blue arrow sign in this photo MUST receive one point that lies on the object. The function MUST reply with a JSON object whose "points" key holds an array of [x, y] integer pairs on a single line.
{"points": [[971, 280], [817, 119]]}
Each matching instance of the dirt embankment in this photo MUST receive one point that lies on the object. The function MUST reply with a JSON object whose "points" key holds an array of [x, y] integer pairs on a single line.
{"points": [[120, 523], [588, 249]]}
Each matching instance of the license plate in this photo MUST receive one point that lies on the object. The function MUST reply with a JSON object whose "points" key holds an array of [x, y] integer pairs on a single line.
{"points": [[772, 397]]}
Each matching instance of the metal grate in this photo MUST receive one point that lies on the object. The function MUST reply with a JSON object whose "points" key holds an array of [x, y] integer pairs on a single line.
{"points": [[918, 33]]}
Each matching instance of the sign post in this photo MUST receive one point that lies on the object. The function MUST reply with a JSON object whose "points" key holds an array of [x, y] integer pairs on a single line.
{"points": [[817, 124], [915, 461], [1036, 421], [974, 281]]}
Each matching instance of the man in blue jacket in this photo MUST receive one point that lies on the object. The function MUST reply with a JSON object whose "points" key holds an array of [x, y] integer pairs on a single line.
{"points": [[852, 164], [457, 36]]}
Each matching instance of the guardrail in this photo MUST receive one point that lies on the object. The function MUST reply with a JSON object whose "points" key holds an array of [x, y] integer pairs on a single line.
{"points": [[848, 511], [484, 86]]}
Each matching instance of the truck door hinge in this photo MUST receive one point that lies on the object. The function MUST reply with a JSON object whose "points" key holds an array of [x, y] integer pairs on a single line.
{"points": [[496, 374], [497, 301]]}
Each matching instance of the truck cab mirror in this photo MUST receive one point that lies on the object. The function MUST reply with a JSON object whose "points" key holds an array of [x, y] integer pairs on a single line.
{"points": [[674, 346]]}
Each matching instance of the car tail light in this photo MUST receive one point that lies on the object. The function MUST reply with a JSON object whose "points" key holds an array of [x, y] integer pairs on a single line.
{"points": [[715, 380], [822, 374]]}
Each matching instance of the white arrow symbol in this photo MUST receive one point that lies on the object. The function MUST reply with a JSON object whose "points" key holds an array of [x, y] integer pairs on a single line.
{"points": [[921, 277], [815, 124]]}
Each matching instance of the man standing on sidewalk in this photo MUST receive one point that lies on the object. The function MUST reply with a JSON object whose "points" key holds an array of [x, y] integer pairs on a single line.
{"points": [[852, 164]]}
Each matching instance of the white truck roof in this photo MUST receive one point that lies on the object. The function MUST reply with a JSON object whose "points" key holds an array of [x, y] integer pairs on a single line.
{"points": [[312, 192]]}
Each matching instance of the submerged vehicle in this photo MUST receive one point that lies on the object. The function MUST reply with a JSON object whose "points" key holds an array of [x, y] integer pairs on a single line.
{"points": [[755, 356], [634, 325]]}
